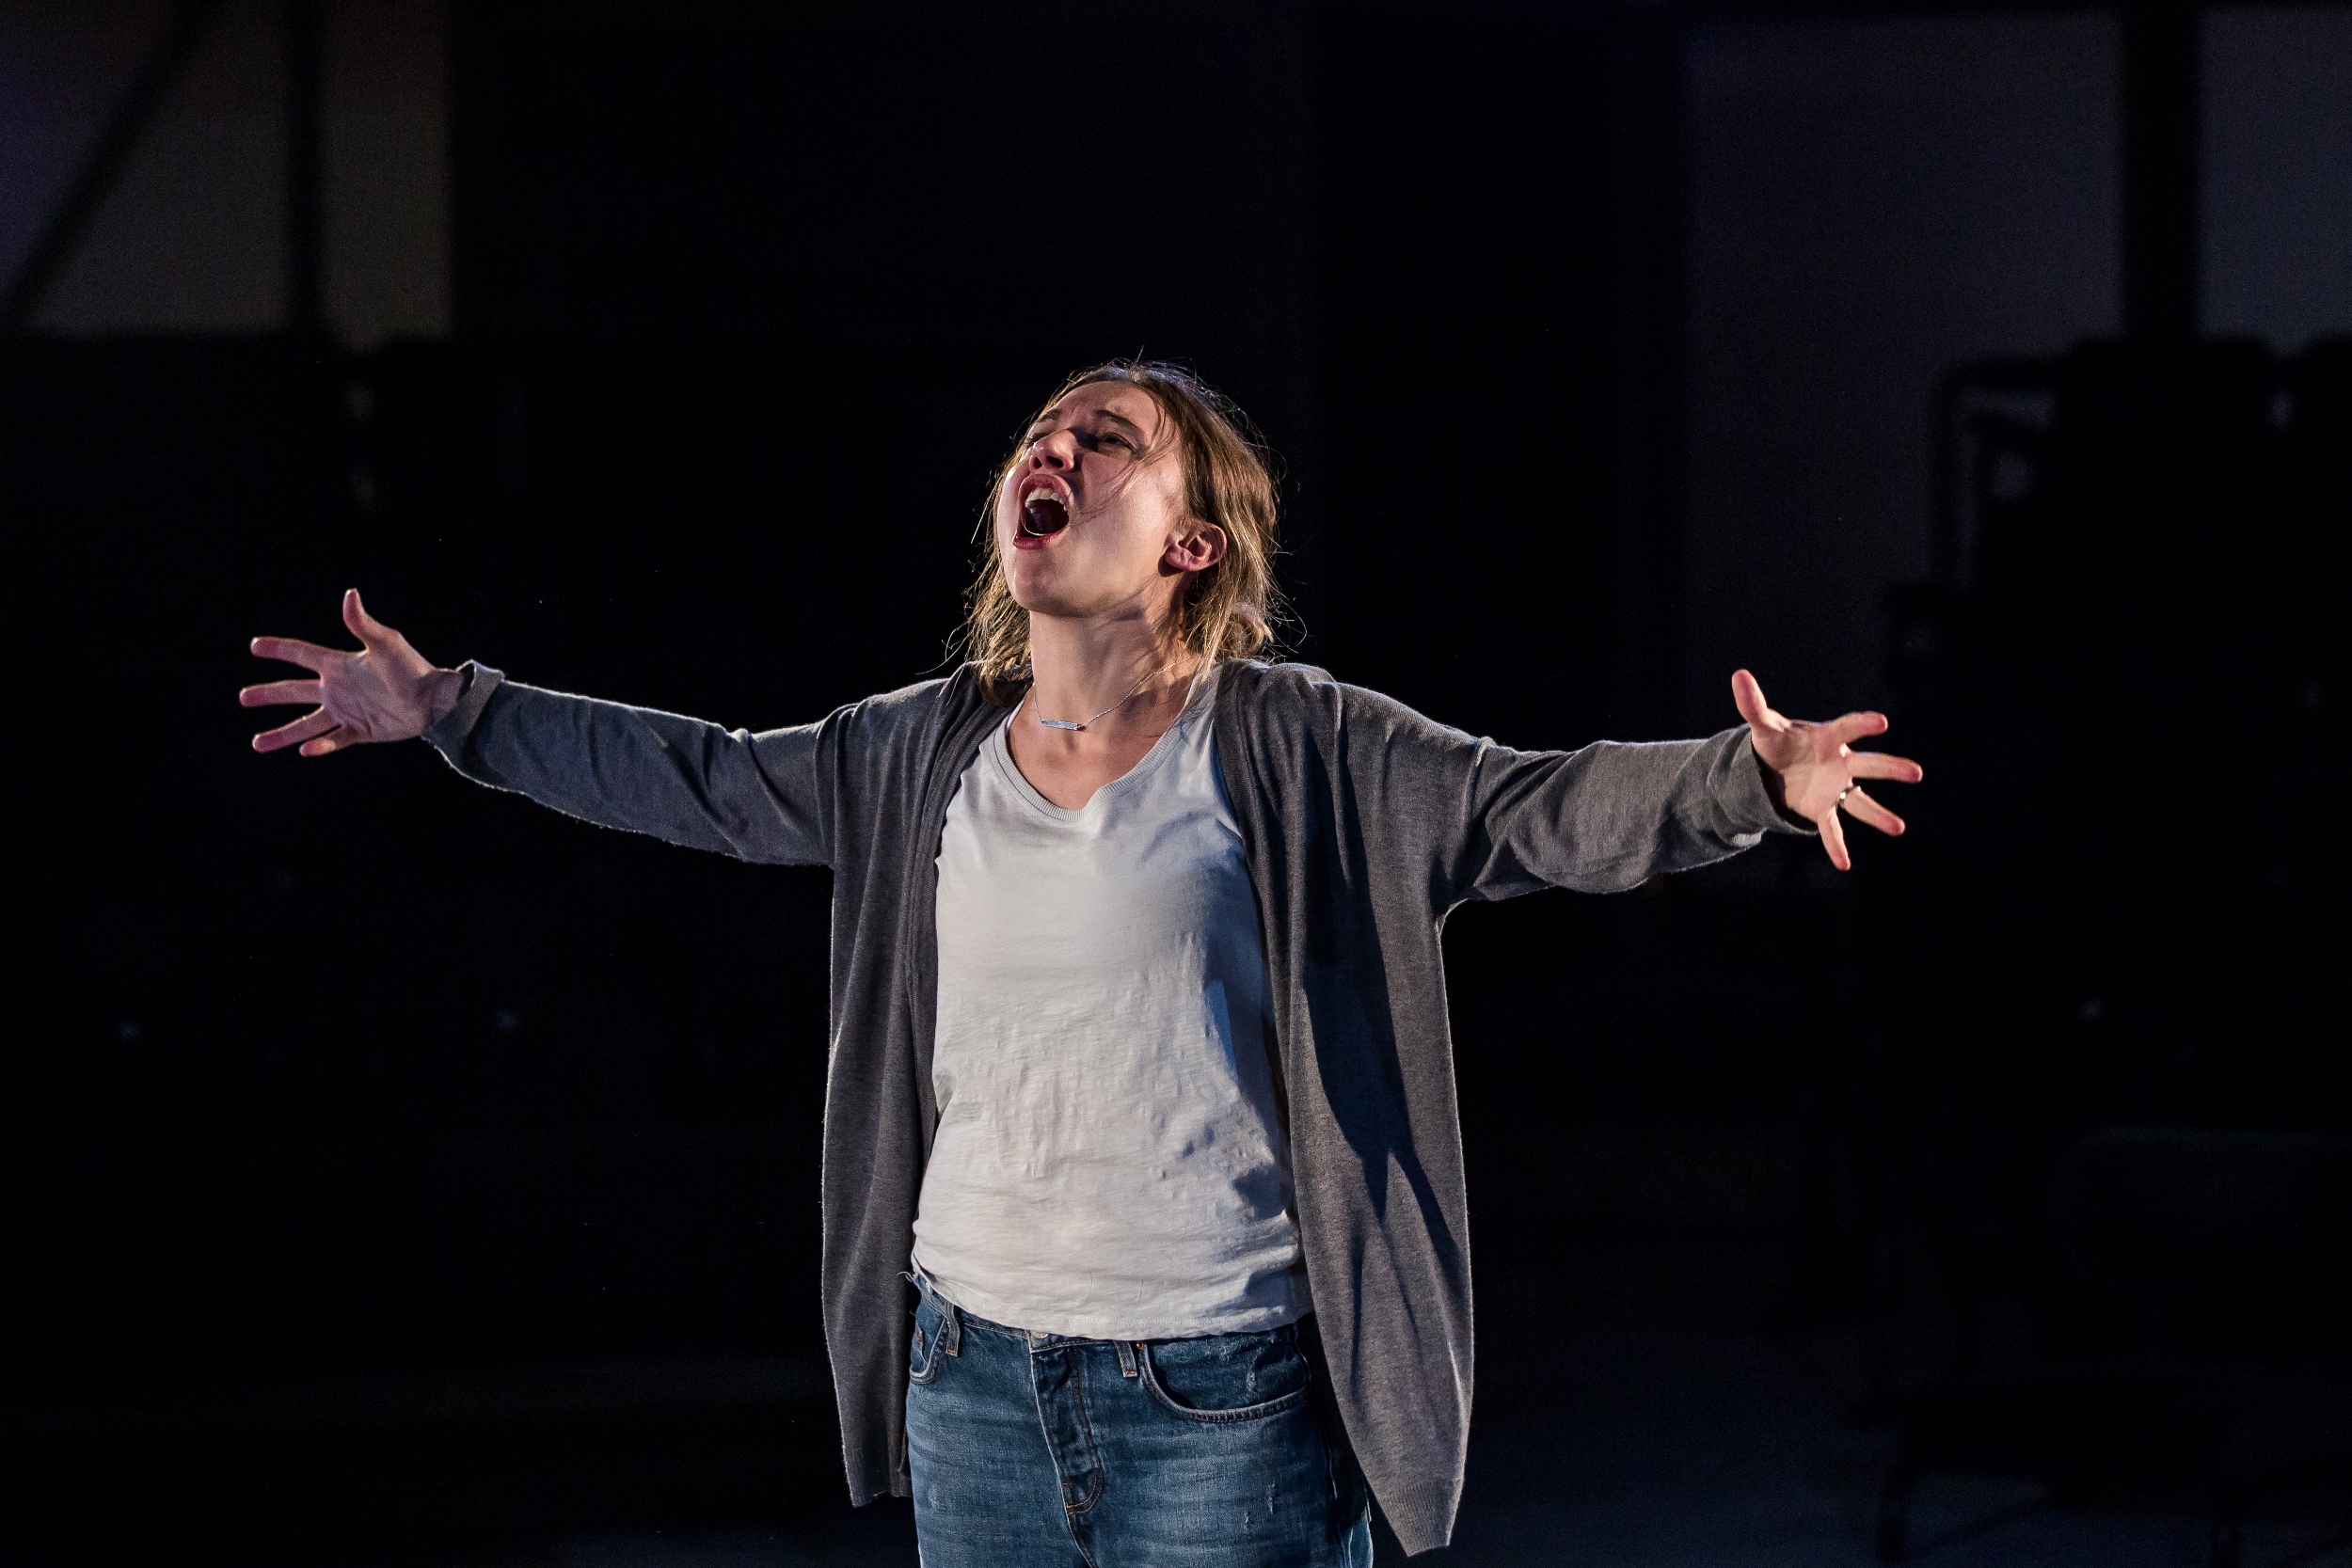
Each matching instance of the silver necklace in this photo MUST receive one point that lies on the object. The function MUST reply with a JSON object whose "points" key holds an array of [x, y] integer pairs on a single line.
{"points": [[1082, 723]]}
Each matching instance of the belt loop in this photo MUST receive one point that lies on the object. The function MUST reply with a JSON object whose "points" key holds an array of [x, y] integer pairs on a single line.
{"points": [[1126, 1359], [951, 1328]]}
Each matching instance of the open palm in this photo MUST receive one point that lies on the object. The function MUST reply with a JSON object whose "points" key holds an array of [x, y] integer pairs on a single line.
{"points": [[1815, 769], [386, 692]]}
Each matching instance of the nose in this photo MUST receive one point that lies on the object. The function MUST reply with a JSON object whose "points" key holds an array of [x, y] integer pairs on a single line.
{"points": [[1056, 451]]}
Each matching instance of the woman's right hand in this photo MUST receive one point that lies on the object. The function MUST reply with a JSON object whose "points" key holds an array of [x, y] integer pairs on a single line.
{"points": [[386, 692]]}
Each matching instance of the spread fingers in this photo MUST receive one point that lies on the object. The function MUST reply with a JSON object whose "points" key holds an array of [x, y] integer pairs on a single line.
{"points": [[309, 725], [1863, 809], [1854, 726], [1879, 764], [292, 650], [270, 693], [1833, 840]]}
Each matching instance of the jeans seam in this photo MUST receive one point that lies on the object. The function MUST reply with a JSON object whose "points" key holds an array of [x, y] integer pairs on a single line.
{"points": [[981, 1326], [962, 1477], [1085, 1430], [1280, 1405], [931, 1357]]}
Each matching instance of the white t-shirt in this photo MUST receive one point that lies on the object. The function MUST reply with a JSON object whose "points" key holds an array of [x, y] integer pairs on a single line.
{"points": [[1108, 1161]]}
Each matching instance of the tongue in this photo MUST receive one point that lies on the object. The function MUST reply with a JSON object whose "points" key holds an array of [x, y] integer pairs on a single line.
{"points": [[1043, 514]]}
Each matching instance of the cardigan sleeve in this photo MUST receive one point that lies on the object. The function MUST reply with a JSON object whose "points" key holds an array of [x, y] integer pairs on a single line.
{"points": [[1493, 822], [760, 798]]}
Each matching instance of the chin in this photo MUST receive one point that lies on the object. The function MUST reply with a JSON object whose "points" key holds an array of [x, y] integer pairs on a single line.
{"points": [[1050, 605], [1030, 591], [1039, 595]]}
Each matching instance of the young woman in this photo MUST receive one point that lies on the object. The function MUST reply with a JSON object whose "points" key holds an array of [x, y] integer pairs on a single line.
{"points": [[1140, 1071]]}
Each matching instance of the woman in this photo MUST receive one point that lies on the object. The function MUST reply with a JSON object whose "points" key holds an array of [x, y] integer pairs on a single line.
{"points": [[1139, 1069]]}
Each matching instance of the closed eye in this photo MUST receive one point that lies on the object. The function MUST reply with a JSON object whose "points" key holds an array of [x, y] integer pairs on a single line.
{"points": [[1106, 438]]}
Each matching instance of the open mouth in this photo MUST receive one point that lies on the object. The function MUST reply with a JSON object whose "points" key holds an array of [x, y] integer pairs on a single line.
{"points": [[1043, 514]]}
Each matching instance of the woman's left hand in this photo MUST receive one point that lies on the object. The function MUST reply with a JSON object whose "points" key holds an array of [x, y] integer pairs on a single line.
{"points": [[1812, 770]]}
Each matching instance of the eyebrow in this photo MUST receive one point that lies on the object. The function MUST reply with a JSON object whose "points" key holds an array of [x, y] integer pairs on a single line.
{"points": [[1052, 414]]}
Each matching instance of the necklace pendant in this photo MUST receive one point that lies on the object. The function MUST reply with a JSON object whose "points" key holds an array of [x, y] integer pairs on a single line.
{"points": [[1082, 723]]}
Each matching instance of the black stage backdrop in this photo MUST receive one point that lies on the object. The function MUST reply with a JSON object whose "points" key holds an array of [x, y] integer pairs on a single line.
{"points": [[383, 1155]]}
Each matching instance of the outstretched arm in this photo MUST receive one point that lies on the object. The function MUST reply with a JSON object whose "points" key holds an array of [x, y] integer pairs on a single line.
{"points": [[1611, 816], [756, 797]]}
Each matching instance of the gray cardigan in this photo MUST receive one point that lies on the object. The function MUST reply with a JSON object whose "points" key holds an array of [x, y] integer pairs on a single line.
{"points": [[1363, 823]]}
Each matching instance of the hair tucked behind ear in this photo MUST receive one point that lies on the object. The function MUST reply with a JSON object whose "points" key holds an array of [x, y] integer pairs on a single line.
{"points": [[1226, 610]]}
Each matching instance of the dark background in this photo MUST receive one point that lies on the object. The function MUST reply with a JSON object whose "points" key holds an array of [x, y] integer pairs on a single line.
{"points": [[393, 1170]]}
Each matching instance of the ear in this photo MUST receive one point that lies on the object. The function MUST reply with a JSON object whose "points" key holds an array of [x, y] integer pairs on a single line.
{"points": [[1196, 551]]}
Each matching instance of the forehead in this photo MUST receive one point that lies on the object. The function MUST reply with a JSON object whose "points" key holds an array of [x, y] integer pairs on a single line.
{"points": [[1112, 398]]}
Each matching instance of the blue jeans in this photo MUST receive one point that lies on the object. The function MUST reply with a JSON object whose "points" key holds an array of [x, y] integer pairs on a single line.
{"points": [[1029, 1449]]}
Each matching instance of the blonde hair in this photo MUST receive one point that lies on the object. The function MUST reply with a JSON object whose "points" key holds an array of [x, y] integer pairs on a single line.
{"points": [[1226, 610]]}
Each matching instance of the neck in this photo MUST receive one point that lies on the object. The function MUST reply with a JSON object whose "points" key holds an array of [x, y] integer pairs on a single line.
{"points": [[1080, 666]]}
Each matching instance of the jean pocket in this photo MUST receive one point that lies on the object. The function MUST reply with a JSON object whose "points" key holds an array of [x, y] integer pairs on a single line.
{"points": [[1227, 1377], [928, 1351]]}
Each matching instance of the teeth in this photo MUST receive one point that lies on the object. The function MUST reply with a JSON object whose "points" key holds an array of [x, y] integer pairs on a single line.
{"points": [[1032, 514]]}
